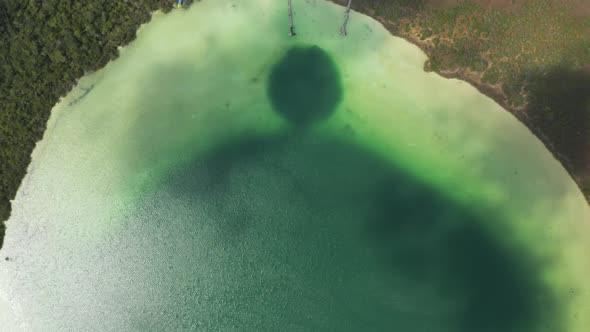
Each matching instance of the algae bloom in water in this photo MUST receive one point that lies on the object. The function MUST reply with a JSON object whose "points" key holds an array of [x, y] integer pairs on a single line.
{"points": [[230, 178]]}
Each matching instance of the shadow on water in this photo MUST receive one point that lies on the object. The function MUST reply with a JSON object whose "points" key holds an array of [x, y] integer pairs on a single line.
{"points": [[430, 239], [305, 85], [417, 233], [559, 105]]}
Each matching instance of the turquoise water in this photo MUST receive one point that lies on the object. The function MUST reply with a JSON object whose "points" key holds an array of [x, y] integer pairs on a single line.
{"points": [[234, 178]]}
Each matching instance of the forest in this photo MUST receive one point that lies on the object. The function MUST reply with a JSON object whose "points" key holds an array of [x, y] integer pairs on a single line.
{"points": [[45, 46]]}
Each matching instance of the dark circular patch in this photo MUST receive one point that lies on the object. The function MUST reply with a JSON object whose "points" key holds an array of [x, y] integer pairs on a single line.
{"points": [[305, 85]]}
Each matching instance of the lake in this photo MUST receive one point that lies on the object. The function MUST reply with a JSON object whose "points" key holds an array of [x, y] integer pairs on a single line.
{"points": [[222, 175]]}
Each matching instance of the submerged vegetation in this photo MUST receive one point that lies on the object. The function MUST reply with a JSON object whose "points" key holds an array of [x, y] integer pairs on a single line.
{"points": [[45, 46]]}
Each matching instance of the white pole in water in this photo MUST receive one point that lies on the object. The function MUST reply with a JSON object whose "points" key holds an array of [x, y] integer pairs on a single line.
{"points": [[346, 18], [291, 25]]}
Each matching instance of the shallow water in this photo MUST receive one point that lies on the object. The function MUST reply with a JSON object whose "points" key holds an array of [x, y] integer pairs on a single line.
{"points": [[201, 185]]}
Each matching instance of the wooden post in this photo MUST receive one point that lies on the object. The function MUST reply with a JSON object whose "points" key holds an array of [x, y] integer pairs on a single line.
{"points": [[291, 25], [346, 18]]}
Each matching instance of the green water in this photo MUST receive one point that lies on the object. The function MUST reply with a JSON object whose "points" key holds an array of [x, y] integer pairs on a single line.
{"points": [[320, 234], [230, 177]]}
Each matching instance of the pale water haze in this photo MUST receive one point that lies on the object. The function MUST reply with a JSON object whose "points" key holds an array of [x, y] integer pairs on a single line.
{"points": [[222, 175]]}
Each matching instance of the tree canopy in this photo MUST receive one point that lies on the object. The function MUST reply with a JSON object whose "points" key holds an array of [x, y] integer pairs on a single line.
{"points": [[45, 46]]}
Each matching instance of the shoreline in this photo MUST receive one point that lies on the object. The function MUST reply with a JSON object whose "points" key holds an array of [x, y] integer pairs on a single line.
{"points": [[520, 113], [57, 75]]}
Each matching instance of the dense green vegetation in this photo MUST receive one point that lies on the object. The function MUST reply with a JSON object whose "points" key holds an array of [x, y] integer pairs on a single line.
{"points": [[45, 46]]}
